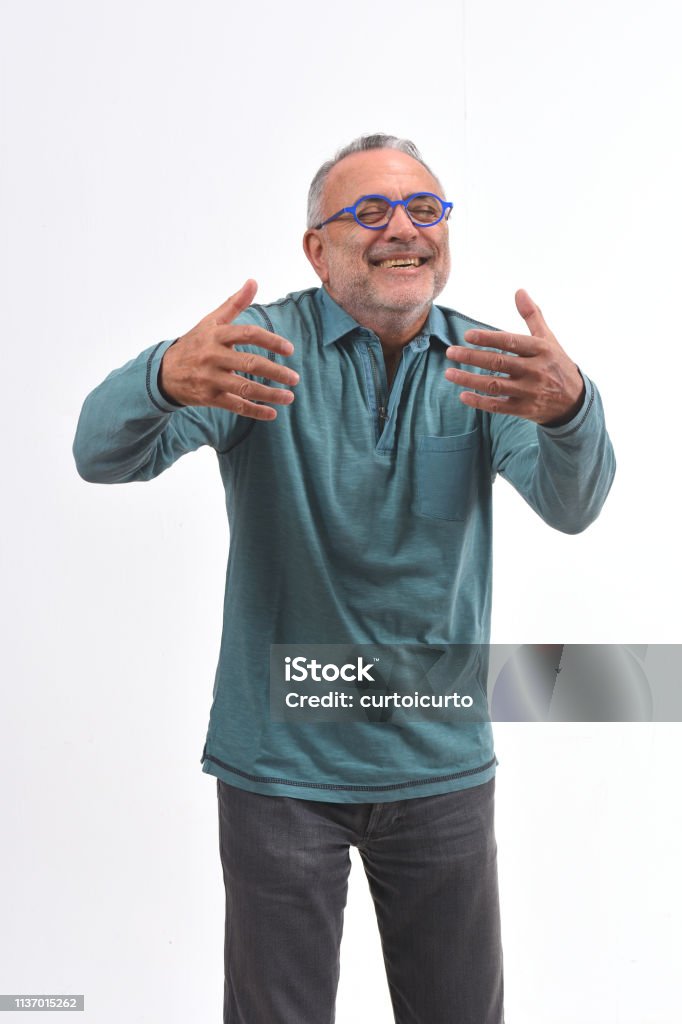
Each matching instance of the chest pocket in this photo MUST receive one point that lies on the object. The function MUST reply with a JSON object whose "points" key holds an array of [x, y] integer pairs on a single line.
{"points": [[446, 474]]}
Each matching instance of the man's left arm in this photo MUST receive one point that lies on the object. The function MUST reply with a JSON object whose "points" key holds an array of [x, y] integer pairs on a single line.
{"points": [[548, 433]]}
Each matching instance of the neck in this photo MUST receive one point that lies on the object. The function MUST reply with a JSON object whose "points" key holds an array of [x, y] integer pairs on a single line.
{"points": [[394, 328], [394, 333]]}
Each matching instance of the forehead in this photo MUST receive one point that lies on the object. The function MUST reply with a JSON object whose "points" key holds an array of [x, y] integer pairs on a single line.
{"points": [[385, 171]]}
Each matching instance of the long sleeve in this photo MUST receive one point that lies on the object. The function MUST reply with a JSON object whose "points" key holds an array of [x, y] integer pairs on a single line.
{"points": [[128, 430], [564, 473]]}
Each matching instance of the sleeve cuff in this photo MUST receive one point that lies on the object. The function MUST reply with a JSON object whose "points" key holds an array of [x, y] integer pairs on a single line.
{"points": [[583, 412], [154, 392]]}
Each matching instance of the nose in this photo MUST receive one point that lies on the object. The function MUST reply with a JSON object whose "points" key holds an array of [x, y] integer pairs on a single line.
{"points": [[399, 224]]}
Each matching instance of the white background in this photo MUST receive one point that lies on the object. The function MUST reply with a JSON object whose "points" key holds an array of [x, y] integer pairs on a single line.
{"points": [[154, 156]]}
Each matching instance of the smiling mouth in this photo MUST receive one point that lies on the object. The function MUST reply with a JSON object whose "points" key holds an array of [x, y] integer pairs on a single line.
{"points": [[400, 261]]}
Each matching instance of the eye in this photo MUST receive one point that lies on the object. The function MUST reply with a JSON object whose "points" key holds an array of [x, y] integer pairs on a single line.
{"points": [[425, 208], [372, 211]]}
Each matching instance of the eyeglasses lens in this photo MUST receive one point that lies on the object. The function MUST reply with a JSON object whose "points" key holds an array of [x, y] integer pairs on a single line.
{"points": [[373, 211], [424, 209]]}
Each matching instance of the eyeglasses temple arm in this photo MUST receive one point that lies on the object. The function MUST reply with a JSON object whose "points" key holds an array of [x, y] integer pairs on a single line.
{"points": [[346, 209]]}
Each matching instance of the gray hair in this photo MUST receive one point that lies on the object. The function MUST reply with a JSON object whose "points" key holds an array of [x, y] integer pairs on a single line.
{"points": [[359, 145]]}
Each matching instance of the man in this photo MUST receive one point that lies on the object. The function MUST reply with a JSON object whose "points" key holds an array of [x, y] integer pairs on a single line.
{"points": [[359, 503]]}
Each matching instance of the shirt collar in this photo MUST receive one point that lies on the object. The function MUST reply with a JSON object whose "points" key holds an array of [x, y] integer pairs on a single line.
{"points": [[336, 323]]}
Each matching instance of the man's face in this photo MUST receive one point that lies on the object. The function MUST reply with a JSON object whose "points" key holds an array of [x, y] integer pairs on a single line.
{"points": [[348, 258]]}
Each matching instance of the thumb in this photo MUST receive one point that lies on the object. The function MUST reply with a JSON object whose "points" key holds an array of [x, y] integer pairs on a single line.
{"points": [[236, 303], [531, 313]]}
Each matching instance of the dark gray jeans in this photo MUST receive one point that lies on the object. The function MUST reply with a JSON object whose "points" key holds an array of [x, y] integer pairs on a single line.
{"points": [[431, 864]]}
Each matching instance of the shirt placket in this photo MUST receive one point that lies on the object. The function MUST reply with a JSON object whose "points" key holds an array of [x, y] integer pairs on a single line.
{"points": [[383, 405]]}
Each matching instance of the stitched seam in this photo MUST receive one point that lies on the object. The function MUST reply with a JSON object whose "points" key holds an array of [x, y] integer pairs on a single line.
{"points": [[148, 380], [580, 422], [470, 320], [289, 299], [266, 318], [354, 788]]}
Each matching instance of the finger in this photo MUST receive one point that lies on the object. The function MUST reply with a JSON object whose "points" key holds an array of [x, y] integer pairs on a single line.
{"points": [[236, 303], [243, 407], [531, 313], [492, 386], [255, 392], [506, 406], [251, 334], [520, 344], [498, 362], [257, 366]]}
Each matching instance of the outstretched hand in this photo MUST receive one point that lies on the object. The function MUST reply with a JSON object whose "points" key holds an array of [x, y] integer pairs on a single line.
{"points": [[540, 382], [204, 368]]}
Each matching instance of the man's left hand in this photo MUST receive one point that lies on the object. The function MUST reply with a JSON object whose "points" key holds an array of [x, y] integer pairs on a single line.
{"points": [[542, 383]]}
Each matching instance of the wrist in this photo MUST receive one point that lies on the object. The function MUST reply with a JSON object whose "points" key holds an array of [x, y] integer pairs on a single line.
{"points": [[575, 406]]}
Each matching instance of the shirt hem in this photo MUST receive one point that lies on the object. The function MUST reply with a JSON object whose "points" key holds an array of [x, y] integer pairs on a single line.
{"points": [[349, 792]]}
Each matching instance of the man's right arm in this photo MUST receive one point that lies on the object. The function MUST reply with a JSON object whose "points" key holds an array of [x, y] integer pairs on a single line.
{"points": [[204, 388]]}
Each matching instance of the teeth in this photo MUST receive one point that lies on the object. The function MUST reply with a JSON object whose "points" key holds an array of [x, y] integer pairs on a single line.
{"points": [[412, 261]]}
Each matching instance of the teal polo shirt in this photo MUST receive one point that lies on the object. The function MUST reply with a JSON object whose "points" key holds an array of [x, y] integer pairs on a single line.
{"points": [[360, 515]]}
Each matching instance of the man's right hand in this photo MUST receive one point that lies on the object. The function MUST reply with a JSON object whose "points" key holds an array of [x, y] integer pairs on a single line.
{"points": [[203, 368]]}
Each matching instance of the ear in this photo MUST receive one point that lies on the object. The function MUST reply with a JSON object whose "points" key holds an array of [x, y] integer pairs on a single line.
{"points": [[313, 247]]}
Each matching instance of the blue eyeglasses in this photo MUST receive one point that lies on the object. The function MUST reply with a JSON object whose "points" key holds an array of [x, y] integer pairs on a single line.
{"points": [[425, 209]]}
